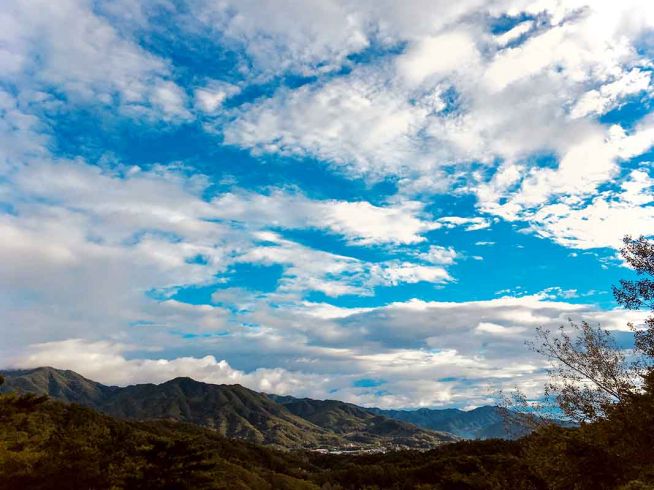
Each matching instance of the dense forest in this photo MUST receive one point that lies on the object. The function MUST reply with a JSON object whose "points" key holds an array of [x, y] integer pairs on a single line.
{"points": [[46, 443]]}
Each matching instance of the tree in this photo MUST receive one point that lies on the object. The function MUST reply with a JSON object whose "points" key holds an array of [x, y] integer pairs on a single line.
{"points": [[637, 294], [588, 372], [639, 254]]}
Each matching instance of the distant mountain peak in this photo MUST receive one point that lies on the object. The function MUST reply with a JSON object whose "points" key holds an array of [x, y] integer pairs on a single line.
{"points": [[232, 410], [282, 420]]}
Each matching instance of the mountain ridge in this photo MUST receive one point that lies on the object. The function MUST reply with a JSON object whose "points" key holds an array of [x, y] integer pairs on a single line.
{"points": [[345, 418], [231, 410], [484, 422]]}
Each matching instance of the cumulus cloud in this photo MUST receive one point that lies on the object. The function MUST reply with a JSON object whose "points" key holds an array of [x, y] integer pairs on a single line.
{"points": [[308, 269], [210, 97], [607, 96], [310, 38], [21, 133], [105, 362], [604, 219], [352, 121], [428, 96], [68, 47], [360, 222], [438, 56], [351, 106], [427, 353], [457, 94], [86, 246]]}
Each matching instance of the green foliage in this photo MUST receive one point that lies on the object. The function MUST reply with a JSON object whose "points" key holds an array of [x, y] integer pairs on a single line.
{"points": [[232, 410], [639, 294], [46, 444], [588, 373], [51, 445], [362, 426]]}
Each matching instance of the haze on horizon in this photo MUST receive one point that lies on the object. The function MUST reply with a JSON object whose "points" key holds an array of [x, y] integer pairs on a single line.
{"points": [[376, 202]]}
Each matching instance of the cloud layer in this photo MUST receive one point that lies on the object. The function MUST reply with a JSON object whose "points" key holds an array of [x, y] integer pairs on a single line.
{"points": [[297, 196]]}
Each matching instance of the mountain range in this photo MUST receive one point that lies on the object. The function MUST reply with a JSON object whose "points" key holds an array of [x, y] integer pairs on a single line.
{"points": [[274, 420], [231, 410], [480, 423], [51, 444]]}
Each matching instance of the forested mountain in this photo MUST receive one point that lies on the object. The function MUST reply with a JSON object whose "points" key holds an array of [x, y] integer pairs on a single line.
{"points": [[354, 421], [46, 444], [480, 423], [231, 410]]}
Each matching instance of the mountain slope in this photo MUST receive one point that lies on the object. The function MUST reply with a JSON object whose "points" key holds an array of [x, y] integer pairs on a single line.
{"points": [[451, 424], [359, 424], [63, 385], [481, 423], [231, 410], [47, 444]]}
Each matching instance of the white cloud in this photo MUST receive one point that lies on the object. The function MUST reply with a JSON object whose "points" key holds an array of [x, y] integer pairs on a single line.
{"points": [[105, 362], [578, 61], [608, 95], [82, 247], [359, 221], [508, 96], [86, 251], [470, 224], [495, 329], [514, 33], [20, 132], [170, 99], [448, 100], [352, 121], [564, 204], [604, 220], [425, 353], [210, 97], [437, 56], [307, 269], [311, 38], [68, 47], [289, 35], [394, 273], [439, 255]]}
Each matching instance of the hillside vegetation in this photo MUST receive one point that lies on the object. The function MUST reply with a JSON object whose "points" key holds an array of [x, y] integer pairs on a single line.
{"points": [[233, 411], [45, 444]]}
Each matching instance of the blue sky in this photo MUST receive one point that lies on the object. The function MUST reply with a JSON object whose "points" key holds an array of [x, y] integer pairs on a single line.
{"points": [[376, 202]]}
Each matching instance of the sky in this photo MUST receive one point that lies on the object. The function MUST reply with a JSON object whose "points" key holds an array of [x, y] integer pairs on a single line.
{"points": [[372, 201]]}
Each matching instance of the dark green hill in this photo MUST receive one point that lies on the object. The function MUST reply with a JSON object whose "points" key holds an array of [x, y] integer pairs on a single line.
{"points": [[63, 385], [359, 424], [46, 444], [231, 410]]}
